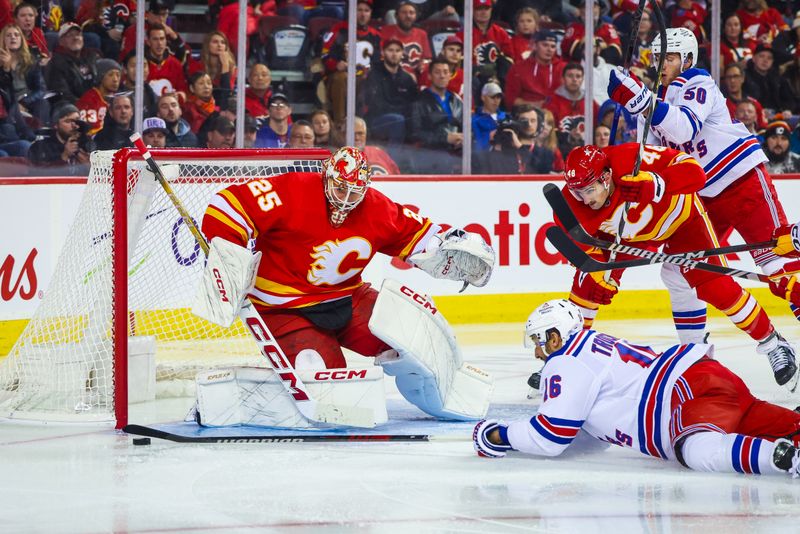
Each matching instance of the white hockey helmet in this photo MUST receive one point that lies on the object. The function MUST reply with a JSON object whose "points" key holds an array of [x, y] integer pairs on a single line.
{"points": [[560, 314], [679, 41]]}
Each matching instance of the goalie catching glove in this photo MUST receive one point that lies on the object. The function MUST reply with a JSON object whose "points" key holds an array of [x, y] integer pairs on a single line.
{"points": [[644, 188], [788, 240], [229, 276], [457, 255]]}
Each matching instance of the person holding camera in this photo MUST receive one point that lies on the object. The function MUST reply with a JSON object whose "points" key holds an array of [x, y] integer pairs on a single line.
{"points": [[67, 144], [516, 151]]}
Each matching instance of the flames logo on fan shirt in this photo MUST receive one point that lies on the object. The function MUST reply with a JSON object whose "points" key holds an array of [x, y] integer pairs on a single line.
{"points": [[329, 256]]}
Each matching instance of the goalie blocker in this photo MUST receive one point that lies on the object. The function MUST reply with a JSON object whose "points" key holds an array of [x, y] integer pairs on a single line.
{"points": [[425, 360]]}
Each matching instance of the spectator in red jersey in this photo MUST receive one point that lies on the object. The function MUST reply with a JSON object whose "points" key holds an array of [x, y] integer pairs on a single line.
{"points": [[157, 13], [25, 16], [416, 47], [301, 135], [760, 21], [179, 133], [606, 38], [165, 73], [566, 104], [688, 14], [106, 19], [733, 47], [217, 60], [228, 22], [335, 56], [381, 162], [732, 87], [491, 45], [453, 53], [72, 69], [532, 80], [154, 132], [526, 24], [322, 123], [118, 124], [200, 104], [389, 92], [93, 104], [5, 13], [128, 83], [256, 96], [21, 74]]}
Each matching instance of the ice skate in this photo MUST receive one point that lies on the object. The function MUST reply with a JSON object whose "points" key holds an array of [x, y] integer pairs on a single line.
{"points": [[782, 359], [786, 457]]}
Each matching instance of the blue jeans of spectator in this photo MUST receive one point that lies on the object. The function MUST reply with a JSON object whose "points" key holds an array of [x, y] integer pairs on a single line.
{"points": [[391, 126], [15, 148]]}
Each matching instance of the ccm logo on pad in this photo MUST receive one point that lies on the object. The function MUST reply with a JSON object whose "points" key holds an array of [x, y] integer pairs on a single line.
{"points": [[344, 374], [422, 300], [223, 293]]}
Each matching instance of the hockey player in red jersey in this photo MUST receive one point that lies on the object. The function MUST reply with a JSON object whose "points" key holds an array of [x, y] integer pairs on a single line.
{"points": [[664, 210], [314, 234], [679, 404]]}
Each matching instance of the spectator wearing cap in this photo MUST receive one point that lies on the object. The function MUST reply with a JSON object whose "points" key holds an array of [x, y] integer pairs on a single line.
{"points": [[335, 57], [72, 70], [179, 133], [128, 83], [732, 87], [764, 82], [301, 135], [776, 146], [256, 96], [415, 42], [25, 15], [532, 80], [165, 71], [250, 131], [605, 36], [566, 104], [201, 104], [760, 21], [486, 117], [526, 24], [117, 126], [453, 53], [491, 44], [275, 133], [436, 123], [64, 146], [154, 132], [389, 92], [93, 104], [221, 132]]}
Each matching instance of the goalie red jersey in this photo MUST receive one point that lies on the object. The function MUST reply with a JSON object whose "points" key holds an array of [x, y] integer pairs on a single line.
{"points": [[305, 260]]}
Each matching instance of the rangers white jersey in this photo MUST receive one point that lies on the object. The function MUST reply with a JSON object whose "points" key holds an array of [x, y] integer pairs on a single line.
{"points": [[692, 116], [616, 391]]}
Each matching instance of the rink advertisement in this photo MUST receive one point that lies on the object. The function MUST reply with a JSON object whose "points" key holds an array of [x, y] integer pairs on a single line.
{"points": [[510, 213]]}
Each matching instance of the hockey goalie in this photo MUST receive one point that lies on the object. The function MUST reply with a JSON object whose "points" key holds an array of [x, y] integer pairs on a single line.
{"points": [[295, 245]]}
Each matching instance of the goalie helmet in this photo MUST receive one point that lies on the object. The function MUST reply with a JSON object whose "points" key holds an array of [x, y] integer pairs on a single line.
{"points": [[560, 314], [346, 176], [679, 41], [584, 166]]}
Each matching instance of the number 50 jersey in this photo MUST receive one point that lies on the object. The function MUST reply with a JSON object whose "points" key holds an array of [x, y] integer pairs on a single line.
{"points": [[615, 391]]}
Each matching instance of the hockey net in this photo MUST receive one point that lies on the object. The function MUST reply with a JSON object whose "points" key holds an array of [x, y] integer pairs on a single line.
{"points": [[122, 288]]}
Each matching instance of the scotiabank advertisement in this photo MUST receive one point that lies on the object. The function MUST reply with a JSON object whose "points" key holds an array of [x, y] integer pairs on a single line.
{"points": [[509, 212]]}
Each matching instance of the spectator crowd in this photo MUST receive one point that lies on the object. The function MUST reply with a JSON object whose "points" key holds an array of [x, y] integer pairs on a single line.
{"points": [[67, 78]]}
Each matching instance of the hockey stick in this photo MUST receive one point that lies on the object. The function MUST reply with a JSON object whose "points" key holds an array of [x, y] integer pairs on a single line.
{"points": [[311, 409], [626, 61], [583, 262], [149, 432], [565, 214]]}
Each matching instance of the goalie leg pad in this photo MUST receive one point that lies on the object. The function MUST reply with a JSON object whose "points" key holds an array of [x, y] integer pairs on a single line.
{"points": [[254, 396], [426, 361]]}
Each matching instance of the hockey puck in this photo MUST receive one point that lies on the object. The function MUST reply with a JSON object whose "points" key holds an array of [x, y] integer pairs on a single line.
{"points": [[141, 441]]}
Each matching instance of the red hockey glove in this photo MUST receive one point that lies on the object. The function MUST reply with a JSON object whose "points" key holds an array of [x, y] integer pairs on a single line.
{"points": [[592, 288], [628, 91], [787, 288], [644, 188], [788, 237]]}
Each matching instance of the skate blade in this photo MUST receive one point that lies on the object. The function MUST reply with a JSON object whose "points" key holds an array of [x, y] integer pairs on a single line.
{"points": [[791, 385]]}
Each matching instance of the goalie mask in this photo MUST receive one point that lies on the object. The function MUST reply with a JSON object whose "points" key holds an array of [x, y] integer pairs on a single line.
{"points": [[346, 176], [679, 41], [558, 314]]}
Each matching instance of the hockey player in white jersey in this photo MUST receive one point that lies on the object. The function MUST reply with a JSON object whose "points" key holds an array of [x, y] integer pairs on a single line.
{"points": [[679, 404], [691, 115]]}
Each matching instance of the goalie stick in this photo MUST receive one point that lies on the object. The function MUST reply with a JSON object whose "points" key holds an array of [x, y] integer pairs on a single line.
{"points": [[565, 214], [583, 262], [311, 409], [146, 431]]}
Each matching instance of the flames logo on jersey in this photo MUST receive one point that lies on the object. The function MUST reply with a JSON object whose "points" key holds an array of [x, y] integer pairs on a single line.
{"points": [[632, 228], [329, 256]]}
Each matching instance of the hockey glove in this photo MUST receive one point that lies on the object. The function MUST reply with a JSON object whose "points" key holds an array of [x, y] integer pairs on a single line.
{"points": [[788, 237], [786, 288], [486, 447], [628, 91], [457, 255], [592, 288], [644, 188]]}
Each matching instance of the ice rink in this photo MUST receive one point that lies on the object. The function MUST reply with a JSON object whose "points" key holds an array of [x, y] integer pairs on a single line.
{"points": [[70, 479]]}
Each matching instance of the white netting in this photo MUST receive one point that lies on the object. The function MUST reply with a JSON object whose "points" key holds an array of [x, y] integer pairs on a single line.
{"points": [[61, 367]]}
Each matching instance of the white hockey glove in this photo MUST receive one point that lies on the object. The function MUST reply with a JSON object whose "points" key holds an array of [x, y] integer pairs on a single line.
{"points": [[229, 276], [457, 255], [628, 91], [486, 448]]}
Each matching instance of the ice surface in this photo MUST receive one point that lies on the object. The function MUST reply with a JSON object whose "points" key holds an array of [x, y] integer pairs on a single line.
{"points": [[68, 479]]}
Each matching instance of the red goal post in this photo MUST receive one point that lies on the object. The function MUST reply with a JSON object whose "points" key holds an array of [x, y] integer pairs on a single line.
{"points": [[123, 284]]}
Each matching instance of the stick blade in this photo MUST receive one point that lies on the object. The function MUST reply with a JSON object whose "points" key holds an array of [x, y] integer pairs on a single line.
{"points": [[573, 252]]}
